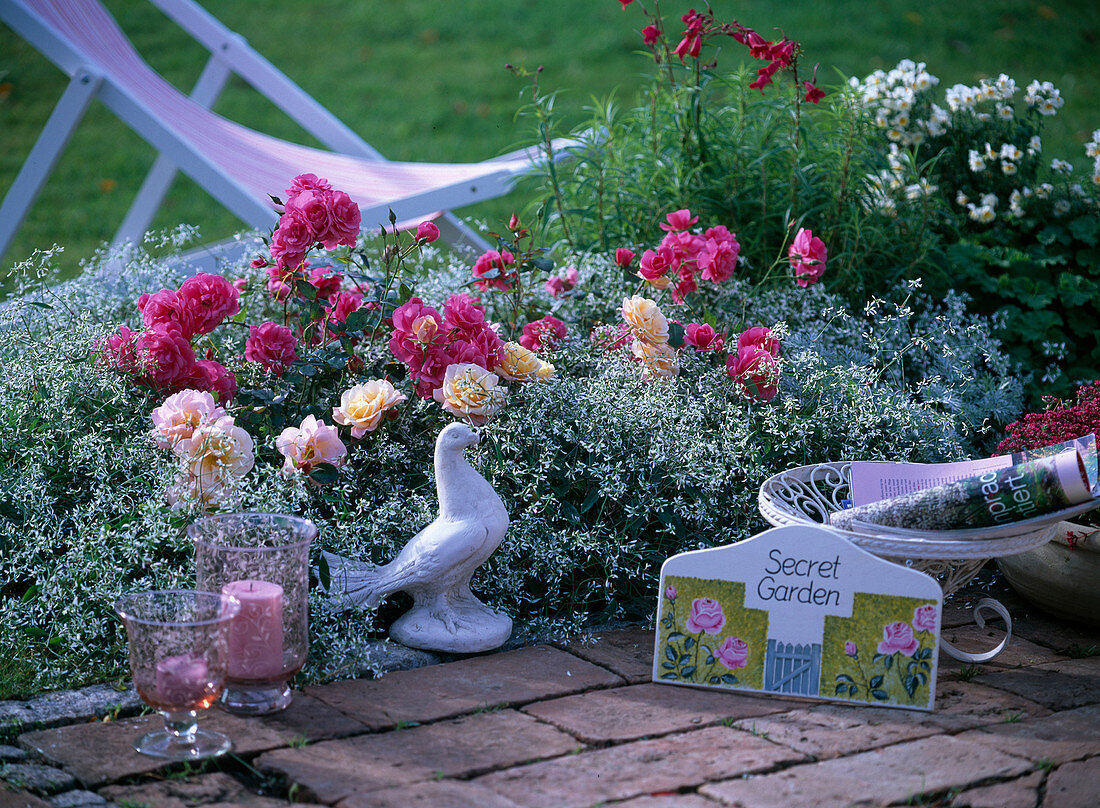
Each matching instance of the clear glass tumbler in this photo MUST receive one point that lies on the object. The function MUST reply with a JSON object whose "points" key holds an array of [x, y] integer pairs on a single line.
{"points": [[262, 559], [178, 654]]}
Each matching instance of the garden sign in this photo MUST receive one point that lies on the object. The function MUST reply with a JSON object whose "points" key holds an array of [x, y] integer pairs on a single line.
{"points": [[799, 610]]}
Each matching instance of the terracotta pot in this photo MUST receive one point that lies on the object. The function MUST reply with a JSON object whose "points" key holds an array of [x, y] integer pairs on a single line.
{"points": [[1061, 577]]}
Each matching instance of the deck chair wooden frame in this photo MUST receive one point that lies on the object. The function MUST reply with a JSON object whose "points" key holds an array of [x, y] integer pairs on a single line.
{"points": [[82, 38]]}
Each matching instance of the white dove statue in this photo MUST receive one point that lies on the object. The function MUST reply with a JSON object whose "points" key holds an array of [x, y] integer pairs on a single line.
{"points": [[436, 565]]}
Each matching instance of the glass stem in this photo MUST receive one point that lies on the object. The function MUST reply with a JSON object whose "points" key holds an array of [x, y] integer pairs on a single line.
{"points": [[181, 725]]}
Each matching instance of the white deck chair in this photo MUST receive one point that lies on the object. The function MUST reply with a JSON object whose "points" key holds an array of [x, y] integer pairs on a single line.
{"points": [[236, 165]]}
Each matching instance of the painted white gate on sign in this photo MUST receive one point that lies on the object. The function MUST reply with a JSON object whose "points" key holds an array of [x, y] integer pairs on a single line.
{"points": [[790, 668]]}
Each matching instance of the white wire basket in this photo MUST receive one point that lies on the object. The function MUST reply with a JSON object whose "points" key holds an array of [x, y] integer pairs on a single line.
{"points": [[806, 495]]}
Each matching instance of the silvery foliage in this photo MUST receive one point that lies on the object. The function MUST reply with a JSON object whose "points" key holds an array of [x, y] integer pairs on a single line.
{"points": [[604, 475]]}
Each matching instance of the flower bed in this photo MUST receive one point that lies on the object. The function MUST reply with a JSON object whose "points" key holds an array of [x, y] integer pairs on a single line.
{"points": [[615, 433]]}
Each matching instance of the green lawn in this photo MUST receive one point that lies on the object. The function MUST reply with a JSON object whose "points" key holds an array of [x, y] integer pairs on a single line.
{"points": [[426, 81]]}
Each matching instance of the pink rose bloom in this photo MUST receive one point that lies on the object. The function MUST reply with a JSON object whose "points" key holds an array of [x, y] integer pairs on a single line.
{"points": [[686, 246], [429, 370], [464, 313], [427, 232], [271, 345], [655, 265], [720, 233], [312, 443], [670, 592], [686, 285], [761, 337], [344, 220], [180, 414], [209, 299], [164, 307], [403, 341], [291, 240], [240, 284], [327, 280], [733, 653], [754, 372], [463, 352], [679, 220], [701, 335], [165, 356], [706, 616], [119, 350], [343, 304], [624, 257], [307, 182], [312, 207], [494, 264], [718, 260], [544, 334], [278, 282], [213, 376], [808, 256], [850, 648], [924, 618], [898, 637], [489, 344], [558, 284]]}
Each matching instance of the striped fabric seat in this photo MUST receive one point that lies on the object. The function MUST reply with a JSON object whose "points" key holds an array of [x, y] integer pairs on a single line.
{"points": [[235, 164]]}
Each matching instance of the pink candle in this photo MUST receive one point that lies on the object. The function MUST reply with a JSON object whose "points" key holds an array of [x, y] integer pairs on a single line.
{"points": [[182, 680], [256, 633]]}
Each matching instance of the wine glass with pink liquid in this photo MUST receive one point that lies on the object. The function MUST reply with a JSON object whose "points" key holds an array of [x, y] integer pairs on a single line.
{"points": [[178, 643]]}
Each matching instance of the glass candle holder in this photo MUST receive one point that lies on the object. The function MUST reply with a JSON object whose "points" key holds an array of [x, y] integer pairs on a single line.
{"points": [[262, 559], [178, 654]]}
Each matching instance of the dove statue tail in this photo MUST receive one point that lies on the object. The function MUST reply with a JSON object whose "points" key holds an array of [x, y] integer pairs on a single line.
{"points": [[355, 583]]}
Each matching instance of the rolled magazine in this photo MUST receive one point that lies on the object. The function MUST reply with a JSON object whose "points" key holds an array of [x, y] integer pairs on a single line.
{"points": [[996, 496]]}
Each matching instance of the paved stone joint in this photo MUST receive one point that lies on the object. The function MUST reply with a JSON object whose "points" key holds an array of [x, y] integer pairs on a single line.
{"points": [[580, 724]]}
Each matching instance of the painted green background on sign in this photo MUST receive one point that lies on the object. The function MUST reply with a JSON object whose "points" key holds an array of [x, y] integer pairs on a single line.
{"points": [[852, 666], [697, 657]]}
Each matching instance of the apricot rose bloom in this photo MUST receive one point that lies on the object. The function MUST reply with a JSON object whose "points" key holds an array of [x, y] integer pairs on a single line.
{"points": [[658, 361], [312, 443], [180, 414], [522, 365], [645, 320], [470, 392], [216, 453], [363, 406]]}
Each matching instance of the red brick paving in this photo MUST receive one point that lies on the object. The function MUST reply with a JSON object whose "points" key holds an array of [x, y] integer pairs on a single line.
{"points": [[579, 725]]}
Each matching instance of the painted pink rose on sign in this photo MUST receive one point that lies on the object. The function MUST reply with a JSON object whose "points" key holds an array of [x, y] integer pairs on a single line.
{"points": [[850, 648], [898, 637], [924, 618], [706, 616], [733, 653]]}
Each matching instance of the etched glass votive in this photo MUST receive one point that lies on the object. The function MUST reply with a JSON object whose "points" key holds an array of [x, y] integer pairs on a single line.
{"points": [[178, 653], [262, 560]]}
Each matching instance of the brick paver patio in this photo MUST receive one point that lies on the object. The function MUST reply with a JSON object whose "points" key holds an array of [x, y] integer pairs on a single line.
{"points": [[581, 725]]}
